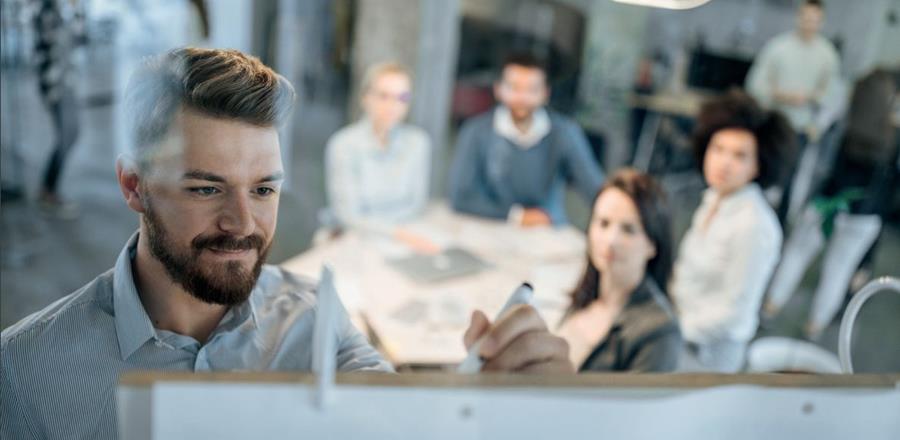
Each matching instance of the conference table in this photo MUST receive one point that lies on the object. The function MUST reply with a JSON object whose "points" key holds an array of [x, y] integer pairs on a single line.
{"points": [[421, 324]]}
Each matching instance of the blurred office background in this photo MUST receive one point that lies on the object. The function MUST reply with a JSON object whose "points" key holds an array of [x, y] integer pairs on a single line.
{"points": [[603, 56]]}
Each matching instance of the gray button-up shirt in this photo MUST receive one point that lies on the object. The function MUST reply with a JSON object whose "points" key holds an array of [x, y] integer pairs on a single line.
{"points": [[60, 366]]}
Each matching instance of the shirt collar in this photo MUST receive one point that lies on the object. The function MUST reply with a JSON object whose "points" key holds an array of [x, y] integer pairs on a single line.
{"points": [[373, 146], [641, 294], [799, 39], [133, 325], [505, 127], [648, 290], [732, 201], [244, 312]]}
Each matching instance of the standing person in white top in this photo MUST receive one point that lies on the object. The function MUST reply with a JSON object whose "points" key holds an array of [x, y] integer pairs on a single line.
{"points": [[378, 168], [796, 71], [732, 246]]}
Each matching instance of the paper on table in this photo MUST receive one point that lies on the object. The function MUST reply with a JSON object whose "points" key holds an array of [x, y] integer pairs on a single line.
{"points": [[425, 329], [434, 311], [420, 344]]}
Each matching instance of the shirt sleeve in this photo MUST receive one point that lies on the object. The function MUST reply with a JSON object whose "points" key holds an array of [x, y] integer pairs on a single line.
{"points": [[761, 77], [746, 275], [13, 417], [355, 353], [831, 92], [830, 73], [582, 169], [468, 189]]}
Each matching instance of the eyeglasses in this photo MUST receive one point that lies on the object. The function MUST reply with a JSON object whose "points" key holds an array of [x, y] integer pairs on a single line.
{"points": [[404, 97]]}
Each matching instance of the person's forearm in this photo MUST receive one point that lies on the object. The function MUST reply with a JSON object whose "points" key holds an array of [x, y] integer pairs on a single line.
{"points": [[470, 201]]}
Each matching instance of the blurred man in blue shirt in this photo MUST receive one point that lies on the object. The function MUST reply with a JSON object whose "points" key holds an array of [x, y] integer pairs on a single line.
{"points": [[516, 160]]}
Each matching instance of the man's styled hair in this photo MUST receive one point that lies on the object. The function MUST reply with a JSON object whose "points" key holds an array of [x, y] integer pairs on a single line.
{"points": [[522, 59], [814, 3], [214, 82]]}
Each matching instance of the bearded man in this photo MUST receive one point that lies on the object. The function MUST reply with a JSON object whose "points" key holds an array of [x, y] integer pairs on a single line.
{"points": [[190, 290]]}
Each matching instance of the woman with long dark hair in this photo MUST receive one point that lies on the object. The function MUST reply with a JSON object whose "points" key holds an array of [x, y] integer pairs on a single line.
{"points": [[620, 318]]}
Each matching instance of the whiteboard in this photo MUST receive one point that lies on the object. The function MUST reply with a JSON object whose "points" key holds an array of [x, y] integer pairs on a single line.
{"points": [[414, 409]]}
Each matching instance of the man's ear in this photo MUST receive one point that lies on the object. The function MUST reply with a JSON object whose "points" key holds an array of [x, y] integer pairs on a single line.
{"points": [[129, 183]]}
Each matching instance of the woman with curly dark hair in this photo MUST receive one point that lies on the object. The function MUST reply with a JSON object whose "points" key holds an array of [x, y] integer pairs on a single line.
{"points": [[620, 318], [733, 244]]}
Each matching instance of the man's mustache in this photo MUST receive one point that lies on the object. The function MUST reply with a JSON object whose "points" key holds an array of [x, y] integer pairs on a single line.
{"points": [[228, 242]]}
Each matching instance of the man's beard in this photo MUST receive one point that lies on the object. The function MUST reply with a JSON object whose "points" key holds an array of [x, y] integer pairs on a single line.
{"points": [[225, 284]]}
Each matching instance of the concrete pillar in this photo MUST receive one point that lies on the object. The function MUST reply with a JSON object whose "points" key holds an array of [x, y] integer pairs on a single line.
{"points": [[386, 30], [613, 47], [300, 55], [435, 76]]}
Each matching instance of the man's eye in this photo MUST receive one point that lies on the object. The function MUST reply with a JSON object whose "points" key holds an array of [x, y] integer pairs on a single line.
{"points": [[204, 190], [265, 191]]}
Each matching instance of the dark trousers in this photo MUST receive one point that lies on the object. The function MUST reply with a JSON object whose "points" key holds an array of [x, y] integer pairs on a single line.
{"points": [[64, 116], [784, 204]]}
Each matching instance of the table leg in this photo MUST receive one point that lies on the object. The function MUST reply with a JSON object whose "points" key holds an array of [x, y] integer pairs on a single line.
{"points": [[647, 141]]}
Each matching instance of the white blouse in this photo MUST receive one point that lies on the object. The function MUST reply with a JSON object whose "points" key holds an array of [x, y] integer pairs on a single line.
{"points": [[723, 269]]}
